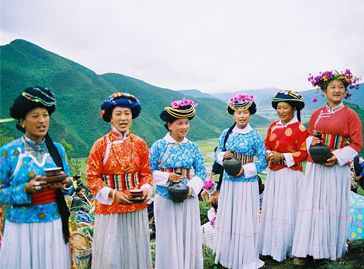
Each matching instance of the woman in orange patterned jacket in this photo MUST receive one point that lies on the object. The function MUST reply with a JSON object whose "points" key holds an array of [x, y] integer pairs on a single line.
{"points": [[286, 148], [119, 162]]}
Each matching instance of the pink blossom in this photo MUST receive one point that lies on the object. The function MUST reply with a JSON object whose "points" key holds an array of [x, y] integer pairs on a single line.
{"points": [[182, 103], [209, 184]]}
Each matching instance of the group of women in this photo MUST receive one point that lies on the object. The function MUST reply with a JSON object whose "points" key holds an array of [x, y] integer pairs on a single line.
{"points": [[302, 214]]}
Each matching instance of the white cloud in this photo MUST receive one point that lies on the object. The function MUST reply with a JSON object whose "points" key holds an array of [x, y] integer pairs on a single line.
{"points": [[207, 45]]}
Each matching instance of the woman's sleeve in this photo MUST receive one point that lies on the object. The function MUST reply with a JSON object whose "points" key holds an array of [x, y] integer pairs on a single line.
{"points": [[145, 171], [9, 194], [347, 153], [62, 152], [291, 158], [94, 169], [159, 177], [267, 145], [252, 169], [196, 182], [220, 148]]}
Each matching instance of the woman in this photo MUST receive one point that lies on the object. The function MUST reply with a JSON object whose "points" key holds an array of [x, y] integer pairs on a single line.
{"points": [[322, 217], [119, 162], [286, 148], [36, 228], [236, 230], [178, 238]]}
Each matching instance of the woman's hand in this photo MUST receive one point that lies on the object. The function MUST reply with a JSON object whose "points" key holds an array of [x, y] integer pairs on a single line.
{"points": [[315, 141], [36, 185], [331, 161], [240, 172], [146, 195], [173, 177], [189, 193], [275, 157], [228, 155], [121, 198]]}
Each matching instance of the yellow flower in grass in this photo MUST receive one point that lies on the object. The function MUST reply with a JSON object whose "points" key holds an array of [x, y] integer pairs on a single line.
{"points": [[359, 230], [360, 216]]}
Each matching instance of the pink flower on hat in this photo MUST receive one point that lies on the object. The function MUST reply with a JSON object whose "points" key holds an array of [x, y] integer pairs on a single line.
{"points": [[241, 98], [182, 103]]}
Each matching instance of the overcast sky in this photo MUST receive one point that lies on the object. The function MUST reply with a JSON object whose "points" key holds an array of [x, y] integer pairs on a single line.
{"points": [[212, 46]]}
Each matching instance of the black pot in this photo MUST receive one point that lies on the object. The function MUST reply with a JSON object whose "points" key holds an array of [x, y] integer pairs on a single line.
{"points": [[232, 166], [320, 153], [178, 192]]}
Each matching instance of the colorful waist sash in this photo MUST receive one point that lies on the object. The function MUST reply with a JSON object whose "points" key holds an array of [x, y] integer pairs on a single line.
{"points": [[122, 182], [184, 172], [41, 198], [244, 158], [334, 141]]}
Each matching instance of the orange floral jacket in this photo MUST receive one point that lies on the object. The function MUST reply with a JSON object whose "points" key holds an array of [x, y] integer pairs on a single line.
{"points": [[129, 151]]}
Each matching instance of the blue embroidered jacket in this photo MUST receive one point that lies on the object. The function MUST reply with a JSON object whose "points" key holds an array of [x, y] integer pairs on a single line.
{"points": [[180, 155], [17, 167]]}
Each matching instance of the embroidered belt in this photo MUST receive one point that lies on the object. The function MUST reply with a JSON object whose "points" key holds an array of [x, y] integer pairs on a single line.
{"points": [[244, 158], [334, 141], [41, 198], [122, 182], [184, 172]]}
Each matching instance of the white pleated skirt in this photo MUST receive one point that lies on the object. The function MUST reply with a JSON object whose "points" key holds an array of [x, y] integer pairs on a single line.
{"points": [[121, 241], [236, 229], [34, 246], [279, 212], [322, 218], [178, 234]]}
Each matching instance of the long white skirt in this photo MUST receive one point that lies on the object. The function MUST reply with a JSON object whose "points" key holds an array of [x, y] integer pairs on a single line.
{"points": [[121, 241], [236, 230], [178, 234], [278, 218], [34, 246], [322, 218]]}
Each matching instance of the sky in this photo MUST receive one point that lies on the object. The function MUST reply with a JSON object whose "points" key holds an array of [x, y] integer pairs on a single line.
{"points": [[213, 46]]}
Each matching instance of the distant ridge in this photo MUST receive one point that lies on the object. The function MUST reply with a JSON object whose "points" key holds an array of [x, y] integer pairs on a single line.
{"points": [[80, 91]]}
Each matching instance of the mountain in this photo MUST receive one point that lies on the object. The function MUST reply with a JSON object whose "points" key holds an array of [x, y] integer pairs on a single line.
{"points": [[80, 91], [196, 93]]}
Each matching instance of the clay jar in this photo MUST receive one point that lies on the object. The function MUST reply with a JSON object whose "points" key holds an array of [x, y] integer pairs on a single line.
{"points": [[319, 152], [232, 166], [178, 191]]}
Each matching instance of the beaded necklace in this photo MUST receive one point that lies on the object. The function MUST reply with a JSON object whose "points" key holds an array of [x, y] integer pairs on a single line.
{"points": [[37, 150], [131, 154]]}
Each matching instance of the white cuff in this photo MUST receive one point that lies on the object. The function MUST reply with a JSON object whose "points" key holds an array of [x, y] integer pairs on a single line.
{"points": [[148, 187], [161, 178], [196, 183], [288, 158], [308, 143], [344, 155], [103, 196], [250, 170], [220, 157]]}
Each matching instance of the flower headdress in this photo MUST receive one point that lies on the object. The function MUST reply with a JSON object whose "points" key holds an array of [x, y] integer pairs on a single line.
{"points": [[210, 186], [324, 78], [241, 102], [179, 109], [182, 103]]}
